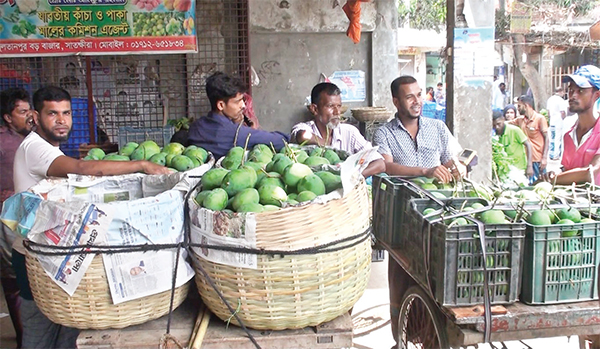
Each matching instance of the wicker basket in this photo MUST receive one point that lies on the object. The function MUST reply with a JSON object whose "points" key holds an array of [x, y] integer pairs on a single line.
{"points": [[91, 305], [295, 291], [372, 114]]}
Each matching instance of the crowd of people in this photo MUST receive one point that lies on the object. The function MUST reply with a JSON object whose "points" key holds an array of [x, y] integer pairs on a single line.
{"points": [[408, 145]]}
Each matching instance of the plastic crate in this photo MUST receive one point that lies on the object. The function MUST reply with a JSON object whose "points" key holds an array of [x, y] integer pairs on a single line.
{"points": [[390, 201], [6, 83], [377, 255], [428, 109], [455, 263], [80, 130], [161, 136], [561, 269]]}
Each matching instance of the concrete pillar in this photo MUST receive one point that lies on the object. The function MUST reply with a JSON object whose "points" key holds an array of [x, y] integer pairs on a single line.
{"points": [[469, 94]]}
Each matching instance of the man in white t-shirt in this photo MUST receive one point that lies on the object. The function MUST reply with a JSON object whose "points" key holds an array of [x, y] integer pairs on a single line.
{"points": [[39, 157], [557, 110], [326, 129]]}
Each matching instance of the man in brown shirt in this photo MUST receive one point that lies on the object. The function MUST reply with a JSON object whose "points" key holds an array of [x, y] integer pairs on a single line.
{"points": [[15, 124], [535, 127]]}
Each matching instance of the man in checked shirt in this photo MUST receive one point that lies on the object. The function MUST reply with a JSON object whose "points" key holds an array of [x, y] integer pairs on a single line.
{"points": [[412, 145]]}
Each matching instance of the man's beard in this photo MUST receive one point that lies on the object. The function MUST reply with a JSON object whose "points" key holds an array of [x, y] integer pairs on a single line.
{"points": [[333, 124], [52, 136]]}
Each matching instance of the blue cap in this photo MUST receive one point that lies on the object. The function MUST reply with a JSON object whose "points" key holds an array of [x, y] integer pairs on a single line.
{"points": [[586, 76]]}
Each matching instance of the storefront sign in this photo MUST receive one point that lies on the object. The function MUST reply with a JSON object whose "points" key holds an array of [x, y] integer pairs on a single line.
{"points": [[62, 27]]}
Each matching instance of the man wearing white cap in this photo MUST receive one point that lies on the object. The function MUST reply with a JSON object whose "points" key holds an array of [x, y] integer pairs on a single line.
{"points": [[581, 158]]}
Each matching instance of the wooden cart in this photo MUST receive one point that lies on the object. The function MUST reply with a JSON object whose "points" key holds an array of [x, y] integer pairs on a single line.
{"points": [[425, 324]]}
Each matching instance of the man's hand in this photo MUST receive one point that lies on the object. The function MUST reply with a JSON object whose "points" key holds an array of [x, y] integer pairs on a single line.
{"points": [[154, 169], [442, 173], [547, 177], [543, 164], [529, 170]]}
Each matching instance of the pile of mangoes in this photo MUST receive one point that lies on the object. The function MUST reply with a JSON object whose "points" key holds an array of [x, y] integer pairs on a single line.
{"points": [[265, 180], [173, 155]]}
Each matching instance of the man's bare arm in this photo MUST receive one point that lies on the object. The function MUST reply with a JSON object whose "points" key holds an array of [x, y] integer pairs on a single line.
{"points": [[64, 165], [374, 167], [579, 175], [441, 172]]}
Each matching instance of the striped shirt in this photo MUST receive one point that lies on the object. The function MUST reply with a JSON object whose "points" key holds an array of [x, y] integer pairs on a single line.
{"points": [[345, 137], [431, 147]]}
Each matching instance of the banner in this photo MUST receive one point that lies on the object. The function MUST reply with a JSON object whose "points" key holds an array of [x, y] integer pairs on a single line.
{"points": [[63, 27]]}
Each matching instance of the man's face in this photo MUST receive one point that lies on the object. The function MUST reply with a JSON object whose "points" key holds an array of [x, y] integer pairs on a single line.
{"points": [[581, 99], [54, 121], [522, 108], [20, 118], [234, 108], [327, 111], [502, 88], [409, 101], [498, 125], [510, 114]]}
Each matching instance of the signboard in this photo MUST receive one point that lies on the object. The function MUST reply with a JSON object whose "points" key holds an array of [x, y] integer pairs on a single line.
{"points": [[474, 55], [351, 83], [520, 18], [63, 27]]}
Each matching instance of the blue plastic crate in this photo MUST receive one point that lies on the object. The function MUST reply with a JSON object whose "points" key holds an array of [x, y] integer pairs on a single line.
{"points": [[80, 130], [440, 114], [6, 83], [428, 109], [161, 136]]}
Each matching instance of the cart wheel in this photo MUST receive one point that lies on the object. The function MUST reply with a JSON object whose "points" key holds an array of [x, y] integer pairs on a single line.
{"points": [[421, 324]]}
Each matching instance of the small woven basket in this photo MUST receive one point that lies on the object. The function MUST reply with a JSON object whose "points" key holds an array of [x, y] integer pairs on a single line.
{"points": [[372, 114], [295, 291], [91, 305]]}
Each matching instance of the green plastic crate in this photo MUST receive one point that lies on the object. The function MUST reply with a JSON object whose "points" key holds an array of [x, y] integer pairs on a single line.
{"points": [[561, 269], [455, 259]]}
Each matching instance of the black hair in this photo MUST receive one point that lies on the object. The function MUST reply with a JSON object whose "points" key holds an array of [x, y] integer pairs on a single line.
{"points": [[527, 100], [510, 106], [8, 100], [49, 94], [222, 87], [403, 80], [329, 88], [496, 114]]}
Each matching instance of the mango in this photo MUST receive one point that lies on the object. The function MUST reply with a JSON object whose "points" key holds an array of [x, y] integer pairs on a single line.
{"points": [[174, 148], [151, 148], [131, 144], [539, 217], [237, 180], [567, 233], [317, 152], [292, 202], [273, 178], [294, 173], [332, 156], [246, 196], [301, 156], [304, 196], [127, 150], [251, 207], [569, 213], [292, 196], [213, 178], [159, 159], [87, 158], [313, 183], [280, 164], [233, 159], [316, 161], [258, 155], [96, 153], [492, 217], [216, 200], [271, 195], [115, 157], [331, 181], [199, 153], [201, 195], [263, 148], [271, 208], [182, 163], [169, 160]]}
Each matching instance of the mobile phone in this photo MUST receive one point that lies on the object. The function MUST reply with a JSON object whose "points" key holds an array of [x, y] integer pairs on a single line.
{"points": [[466, 156]]}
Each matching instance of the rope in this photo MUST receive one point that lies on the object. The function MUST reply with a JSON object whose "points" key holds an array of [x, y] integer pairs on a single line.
{"points": [[166, 338]]}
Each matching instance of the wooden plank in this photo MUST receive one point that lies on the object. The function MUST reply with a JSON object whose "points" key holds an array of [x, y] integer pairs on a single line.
{"points": [[471, 337], [333, 334], [475, 311]]}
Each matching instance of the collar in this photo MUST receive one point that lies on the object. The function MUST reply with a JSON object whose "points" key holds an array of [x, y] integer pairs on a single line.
{"points": [[399, 124]]}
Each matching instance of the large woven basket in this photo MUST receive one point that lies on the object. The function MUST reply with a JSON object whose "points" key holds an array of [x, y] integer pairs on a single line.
{"points": [[91, 305], [372, 114], [295, 291]]}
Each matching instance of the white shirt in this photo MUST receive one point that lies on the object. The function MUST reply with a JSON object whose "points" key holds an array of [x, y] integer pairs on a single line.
{"points": [[555, 106], [32, 160], [345, 137]]}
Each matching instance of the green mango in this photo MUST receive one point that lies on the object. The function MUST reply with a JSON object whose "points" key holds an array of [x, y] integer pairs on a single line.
{"points": [[268, 208], [182, 163], [198, 153], [304, 196], [97, 153], [216, 200], [201, 195], [237, 180], [169, 160], [88, 157], [127, 150], [292, 202], [246, 196], [174, 148], [195, 161], [252, 175], [313, 183], [233, 159], [331, 156], [115, 157], [131, 144], [159, 159], [280, 165], [301, 156], [263, 148], [316, 161], [251, 207], [271, 195], [294, 173], [331, 181], [150, 148], [257, 155], [273, 178], [213, 178], [292, 196], [317, 152], [539, 217]]}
